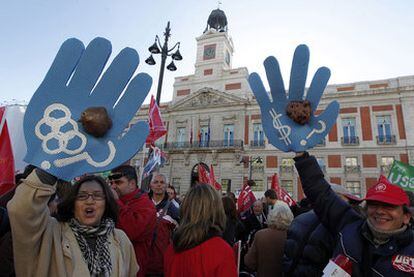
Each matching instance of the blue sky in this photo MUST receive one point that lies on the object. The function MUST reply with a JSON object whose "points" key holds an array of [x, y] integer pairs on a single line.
{"points": [[357, 40]]}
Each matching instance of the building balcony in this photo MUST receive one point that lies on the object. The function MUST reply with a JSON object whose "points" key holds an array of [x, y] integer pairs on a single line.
{"points": [[286, 170], [384, 140], [257, 144], [352, 169], [385, 169], [349, 141], [217, 144]]}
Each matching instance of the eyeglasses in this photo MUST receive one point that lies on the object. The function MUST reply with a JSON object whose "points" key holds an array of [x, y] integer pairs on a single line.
{"points": [[98, 196]]}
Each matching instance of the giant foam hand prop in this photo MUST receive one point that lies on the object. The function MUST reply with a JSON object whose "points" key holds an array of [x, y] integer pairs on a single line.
{"points": [[281, 130], [74, 124]]}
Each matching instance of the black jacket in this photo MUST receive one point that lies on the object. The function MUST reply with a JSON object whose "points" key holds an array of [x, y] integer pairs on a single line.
{"points": [[308, 248], [252, 225], [393, 258]]}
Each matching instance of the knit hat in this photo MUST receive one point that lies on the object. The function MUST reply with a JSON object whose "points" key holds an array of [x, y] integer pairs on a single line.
{"points": [[388, 193]]}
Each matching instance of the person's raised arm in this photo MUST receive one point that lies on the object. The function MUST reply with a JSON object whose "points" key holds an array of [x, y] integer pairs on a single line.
{"points": [[30, 218], [77, 122], [331, 210]]}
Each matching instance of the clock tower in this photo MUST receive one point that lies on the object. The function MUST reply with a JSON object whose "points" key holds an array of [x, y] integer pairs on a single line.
{"points": [[213, 66], [214, 47]]}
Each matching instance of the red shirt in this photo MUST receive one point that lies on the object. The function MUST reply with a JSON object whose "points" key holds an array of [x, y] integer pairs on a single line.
{"points": [[213, 257]]}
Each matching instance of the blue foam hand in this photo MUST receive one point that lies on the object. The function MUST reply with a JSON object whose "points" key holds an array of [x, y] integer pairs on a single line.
{"points": [[282, 131], [56, 141]]}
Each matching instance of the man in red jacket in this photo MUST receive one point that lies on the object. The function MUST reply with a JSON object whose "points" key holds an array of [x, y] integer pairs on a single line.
{"points": [[137, 214]]}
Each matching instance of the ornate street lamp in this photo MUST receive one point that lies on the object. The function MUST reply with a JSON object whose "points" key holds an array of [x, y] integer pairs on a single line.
{"points": [[250, 161], [156, 48]]}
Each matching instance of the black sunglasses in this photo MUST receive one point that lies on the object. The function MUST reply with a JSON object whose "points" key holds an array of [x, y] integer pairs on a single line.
{"points": [[116, 176]]}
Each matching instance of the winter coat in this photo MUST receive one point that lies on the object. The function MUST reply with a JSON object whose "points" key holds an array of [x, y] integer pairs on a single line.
{"points": [[266, 253], [137, 218], [233, 231], [252, 225], [308, 248], [167, 221], [213, 257], [6, 256], [393, 258], [45, 247]]}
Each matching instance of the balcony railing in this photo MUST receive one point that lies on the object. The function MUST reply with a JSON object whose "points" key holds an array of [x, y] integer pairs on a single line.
{"points": [[352, 169], [350, 140], [286, 169], [385, 169], [386, 140], [224, 144], [257, 144]]}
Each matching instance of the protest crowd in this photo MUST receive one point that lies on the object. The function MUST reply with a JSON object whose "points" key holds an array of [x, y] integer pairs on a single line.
{"points": [[63, 217]]}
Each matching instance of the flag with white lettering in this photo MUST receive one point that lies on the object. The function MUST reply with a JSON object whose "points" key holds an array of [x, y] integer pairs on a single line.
{"points": [[282, 194], [402, 174], [156, 125], [246, 199], [203, 176], [212, 179]]}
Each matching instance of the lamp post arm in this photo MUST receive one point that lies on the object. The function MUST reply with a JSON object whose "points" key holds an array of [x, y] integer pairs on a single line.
{"points": [[157, 39], [170, 50]]}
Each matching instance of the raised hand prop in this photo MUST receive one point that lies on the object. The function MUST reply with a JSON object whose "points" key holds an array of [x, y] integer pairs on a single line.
{"points": [[75, 124], [286, 128]]}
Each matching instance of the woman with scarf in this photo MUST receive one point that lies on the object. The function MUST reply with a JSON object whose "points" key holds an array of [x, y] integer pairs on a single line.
{"points": [[81, 241], [197, 248]]}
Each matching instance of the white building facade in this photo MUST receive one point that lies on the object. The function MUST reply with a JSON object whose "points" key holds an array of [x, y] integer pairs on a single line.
{"points": [[213, 118]]}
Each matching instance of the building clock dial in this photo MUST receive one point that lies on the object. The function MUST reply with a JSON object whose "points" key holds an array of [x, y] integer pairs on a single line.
{"points": [[209, 52]]}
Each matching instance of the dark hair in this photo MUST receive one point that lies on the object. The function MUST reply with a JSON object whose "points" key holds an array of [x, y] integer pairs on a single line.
{"points": [[229, 207], [410, 195], [251, 183], [20, 176], [232, 196], [173, 188], [271, 194], [127, 171], [66, 206]]}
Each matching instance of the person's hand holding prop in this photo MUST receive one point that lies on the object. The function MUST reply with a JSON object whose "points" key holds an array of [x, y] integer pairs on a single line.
{"points": [[75, 124], [289, 122]]}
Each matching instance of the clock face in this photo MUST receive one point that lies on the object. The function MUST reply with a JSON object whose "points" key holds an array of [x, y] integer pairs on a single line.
{"points": [[209, 52], [227, 57]]}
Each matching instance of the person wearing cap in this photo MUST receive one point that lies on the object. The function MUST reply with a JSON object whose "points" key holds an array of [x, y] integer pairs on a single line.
{"points": [[137, 214], [309, 245], [380, 244]]}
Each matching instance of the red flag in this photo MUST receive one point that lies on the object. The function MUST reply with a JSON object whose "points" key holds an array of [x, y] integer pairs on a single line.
{"points": [[6, 156], [156, 125], [246, 199], [275, 183], [282, 194], [203, 176], [212, 179]]}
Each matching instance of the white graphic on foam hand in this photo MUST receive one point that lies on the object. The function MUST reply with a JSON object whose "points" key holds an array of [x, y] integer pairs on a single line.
{"points": [[55, 124], [284, 130], [318, 131]]}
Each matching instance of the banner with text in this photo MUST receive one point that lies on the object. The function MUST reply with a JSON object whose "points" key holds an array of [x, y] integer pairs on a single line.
{"points": [[402, 175]]}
